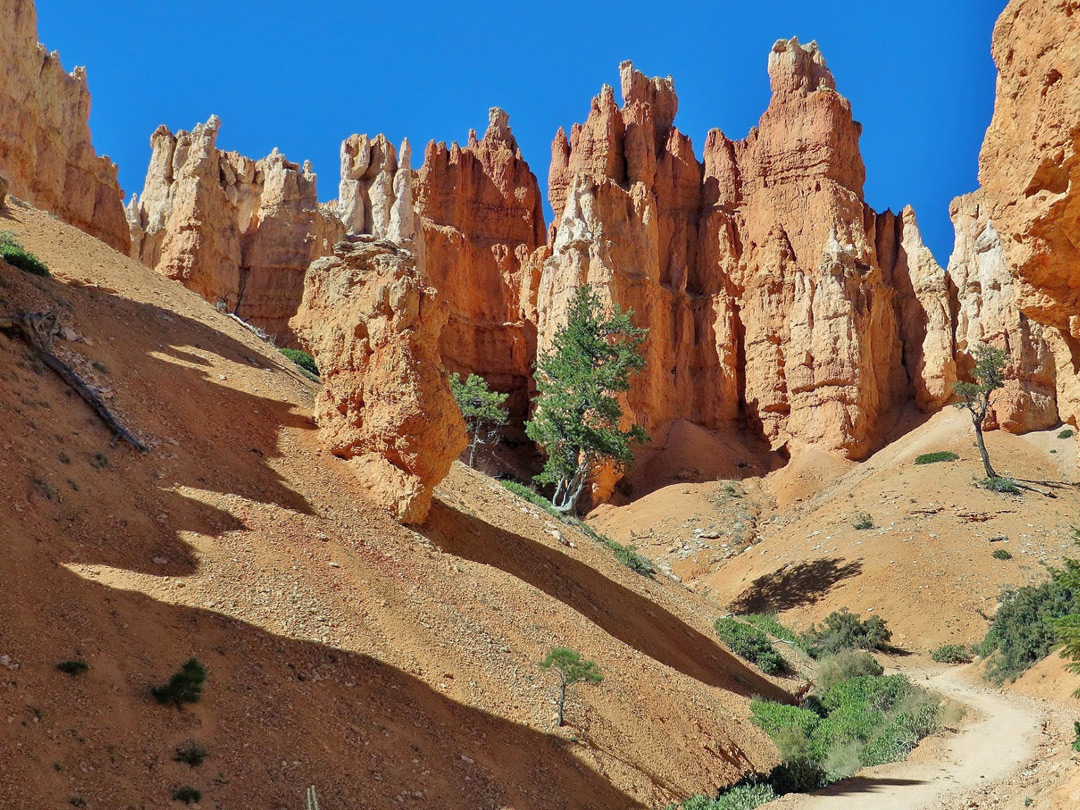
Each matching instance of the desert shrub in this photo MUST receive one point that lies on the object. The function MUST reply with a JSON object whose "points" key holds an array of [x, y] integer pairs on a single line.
{"points": [[1076, 731], [190, 753], [74, 667], [185, 686], [302, 359], [1002, 554], [739, 797], [1024, 630], [531, 496], [1004, 485], [935, 458], [629, 557], [18, 256], [749, 643], [843, 630], [862, 520], [774, 718], [768, 623], [1066, 434], [952, 654], [846, 664], [187, 795]]}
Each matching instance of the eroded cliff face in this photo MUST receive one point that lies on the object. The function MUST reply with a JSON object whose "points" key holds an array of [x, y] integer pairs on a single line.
{"points": [[45, 149], [775, 297], [481, 218], [239, 232], [372, 324]]}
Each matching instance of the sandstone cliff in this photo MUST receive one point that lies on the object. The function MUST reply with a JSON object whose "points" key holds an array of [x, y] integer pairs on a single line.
{"points": [[375, 195], [481, 218], [45, 149], [373, 326], [239, 232]]}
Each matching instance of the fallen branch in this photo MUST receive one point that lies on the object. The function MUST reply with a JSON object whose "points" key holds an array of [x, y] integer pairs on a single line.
{"points": [[36, 329]]}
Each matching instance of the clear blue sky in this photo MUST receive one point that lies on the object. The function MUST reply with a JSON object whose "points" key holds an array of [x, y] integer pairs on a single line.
{"points": [[304, 75]]}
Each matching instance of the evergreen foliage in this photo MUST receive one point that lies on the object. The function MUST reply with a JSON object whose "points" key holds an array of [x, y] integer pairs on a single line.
{"points": [[481, 408], [977, 396], [749, 643], [185, 686], [571, 668]]}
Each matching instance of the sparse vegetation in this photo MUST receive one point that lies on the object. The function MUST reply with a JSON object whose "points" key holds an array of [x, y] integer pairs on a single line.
{"points": [[187, 795], [302, 360], [190, 753], [73, 667], [18, 256], [1004, 485], [577, 413], [629, 557], [768, 623], [571, 668], [749, 643], [988, 375], [1066, 434], [862, 521], [481, 408], [952, 654], [835, 669], [1002, 554], [185, 686], [739, 797], [843, 630], [936, 458]]}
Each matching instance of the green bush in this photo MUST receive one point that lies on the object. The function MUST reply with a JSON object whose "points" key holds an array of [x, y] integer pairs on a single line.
{"points": [[75, 667], [187, 795], [935, 458], [843, 630], [740, 797], [302, 359], [18, 256], [749, 643], [1066, 434], [862, 521], [531, 496], [952, 654], [629, 557], [185, 686], [1004, 485], [768, 623], [190, 753], [835, 669], [1002, 554]]}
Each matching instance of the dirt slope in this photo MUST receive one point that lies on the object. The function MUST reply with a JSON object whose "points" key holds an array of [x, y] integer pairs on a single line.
{"points": [[387, 667]]}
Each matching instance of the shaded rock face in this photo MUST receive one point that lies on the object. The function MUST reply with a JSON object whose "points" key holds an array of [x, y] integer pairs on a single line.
{"points": [[481, 218], [45, 149], [775, 297], [239, 232], [373, 326]]}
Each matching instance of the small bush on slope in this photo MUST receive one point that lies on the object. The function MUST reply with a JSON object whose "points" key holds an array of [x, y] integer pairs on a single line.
{"points": [[952, 654], [936, 458], [749, 643], [18, 256], [302, 359], [843, 630]]}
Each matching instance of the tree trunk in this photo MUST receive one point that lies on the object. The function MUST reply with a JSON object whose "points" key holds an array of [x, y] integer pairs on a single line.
{"points": [[562, 702], [567, 493], [990, 473], [472, 451]]}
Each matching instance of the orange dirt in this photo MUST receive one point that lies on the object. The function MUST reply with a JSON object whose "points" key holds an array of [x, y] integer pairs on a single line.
{"points": [[385, 666]]}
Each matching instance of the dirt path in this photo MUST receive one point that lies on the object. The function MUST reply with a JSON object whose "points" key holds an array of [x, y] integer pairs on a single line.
{"points": [[1002, 738]]}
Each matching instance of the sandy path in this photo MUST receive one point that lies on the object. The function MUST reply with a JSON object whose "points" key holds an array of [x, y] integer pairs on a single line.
{"points": [[1001, 733]]}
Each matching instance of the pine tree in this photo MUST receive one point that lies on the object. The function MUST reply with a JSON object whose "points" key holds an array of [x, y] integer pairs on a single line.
{"points": [[988, 375], [578, 413], [481, 408], [571, 668], [185, 686]]}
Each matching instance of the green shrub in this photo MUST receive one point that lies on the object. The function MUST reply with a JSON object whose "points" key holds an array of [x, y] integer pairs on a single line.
{"points": [[768, 623], [185, 686], [843, 630], [1002, 554], [952, 654], [846, 664], [629, 557], [749, 643], [1004, 485], [740, 797], [1066, 434], [1076, 731], [862, 520], [773, 718], [187, 795], [18, 256], [531, 496], [935, 458], [190, 753], [75, 667], [302, 359]]}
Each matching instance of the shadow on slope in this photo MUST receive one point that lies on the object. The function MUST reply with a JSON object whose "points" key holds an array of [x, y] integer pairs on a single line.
{"points": [[794, 585], [619, 611]]}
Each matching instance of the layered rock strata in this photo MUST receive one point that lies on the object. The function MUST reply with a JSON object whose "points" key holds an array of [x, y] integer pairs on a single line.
{"points": [[239, 232], [481, 218], [375, 196], [372, 324], [45, 149]]}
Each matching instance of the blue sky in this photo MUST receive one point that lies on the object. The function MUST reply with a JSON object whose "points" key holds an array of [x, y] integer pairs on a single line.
{"points": [[302, 76]]}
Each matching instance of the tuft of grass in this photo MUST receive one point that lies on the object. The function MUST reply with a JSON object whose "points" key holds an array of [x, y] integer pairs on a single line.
{"points": [[862, 520], [187, 795], [1066, 434], [190, 753], [73, 667], [1004, 485], [749, 643], [952, 654], [302, 359], [18, 256], [935, 458], [1002, 554]]}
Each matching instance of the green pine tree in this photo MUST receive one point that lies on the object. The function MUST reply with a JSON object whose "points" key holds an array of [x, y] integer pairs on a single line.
{"points": [[988, 375], [571, 668], [185, 686], [578, 413], [481, 408]]}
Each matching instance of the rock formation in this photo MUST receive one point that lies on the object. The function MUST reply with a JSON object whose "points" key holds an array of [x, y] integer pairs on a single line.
{"points": [[375, 195], [45, 148], [775, 297], [373, 326], [481, 218], [238, 232]]}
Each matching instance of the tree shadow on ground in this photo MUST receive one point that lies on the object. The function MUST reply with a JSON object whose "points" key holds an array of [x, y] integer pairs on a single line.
{"points": [[865, 784], [619, 611], [794, 585]]}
